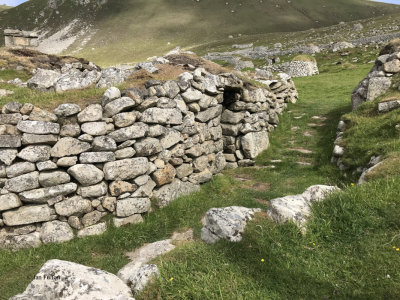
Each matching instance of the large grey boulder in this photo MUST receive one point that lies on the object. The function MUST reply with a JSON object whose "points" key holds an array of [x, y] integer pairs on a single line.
{"points": [[113, 76], [142, 256], [76, 79], [226, 223], [297, 208], [143, 276], [44, 80], [28, 215], [56, 232], [65, 280], [254, 143], [377, 86]]}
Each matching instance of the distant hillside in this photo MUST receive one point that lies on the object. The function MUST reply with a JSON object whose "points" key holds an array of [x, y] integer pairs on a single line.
{"points": [[4, 7], [126, 30]]}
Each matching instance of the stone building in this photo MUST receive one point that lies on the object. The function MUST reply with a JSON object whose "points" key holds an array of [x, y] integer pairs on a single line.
{"points": [[16, 38]]}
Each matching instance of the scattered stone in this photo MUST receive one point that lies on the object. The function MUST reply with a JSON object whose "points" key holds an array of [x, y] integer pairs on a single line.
{"points": [[297, 208], [226, 223]]}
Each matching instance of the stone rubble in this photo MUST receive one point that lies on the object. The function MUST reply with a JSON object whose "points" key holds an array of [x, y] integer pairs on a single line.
{"points": [[70, 168], [297, 208]]}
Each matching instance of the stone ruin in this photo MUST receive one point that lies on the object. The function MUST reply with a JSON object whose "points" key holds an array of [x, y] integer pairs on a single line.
{"points": [[295, 68], [15, 38], [376, 84], [68, 169]]}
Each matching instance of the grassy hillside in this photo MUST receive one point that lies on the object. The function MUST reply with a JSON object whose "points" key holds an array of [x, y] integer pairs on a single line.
{"points": [[4, 7], [125, 30]]}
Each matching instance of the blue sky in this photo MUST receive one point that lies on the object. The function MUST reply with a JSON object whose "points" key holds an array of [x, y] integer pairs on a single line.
{"points": [[12, 2], [386, 1]]}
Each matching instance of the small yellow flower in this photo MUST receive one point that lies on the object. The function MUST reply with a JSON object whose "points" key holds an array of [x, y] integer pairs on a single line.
{"points": [[394, 247], [352, 184], [313, 244], [397, 249], [262, 260], [171, 279]]}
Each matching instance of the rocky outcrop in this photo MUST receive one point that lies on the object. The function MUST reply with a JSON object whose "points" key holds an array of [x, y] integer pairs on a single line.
{"points": [[68, 169], [297, 208], [59, 279], [378, 81], [226, 223]]}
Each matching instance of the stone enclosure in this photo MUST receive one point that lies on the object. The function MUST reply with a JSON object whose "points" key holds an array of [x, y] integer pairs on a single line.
{"points": [[15, 38], [68, 169]]}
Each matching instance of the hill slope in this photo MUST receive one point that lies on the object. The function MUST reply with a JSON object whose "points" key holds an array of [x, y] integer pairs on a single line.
{"points": [[123, 29]]}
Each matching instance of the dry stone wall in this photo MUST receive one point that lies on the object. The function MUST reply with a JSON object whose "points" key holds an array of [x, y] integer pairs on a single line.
{"points": [[67, 169]]}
